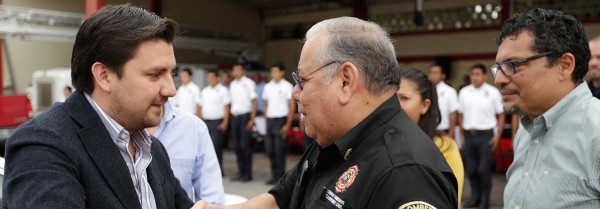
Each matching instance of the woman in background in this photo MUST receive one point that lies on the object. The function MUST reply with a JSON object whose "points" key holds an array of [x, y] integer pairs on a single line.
{"points": [[418, 98]]}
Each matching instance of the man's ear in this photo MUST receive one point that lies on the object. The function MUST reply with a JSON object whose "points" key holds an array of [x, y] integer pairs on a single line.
{"points": [[566, 66], [351, 81], [100, 72]]}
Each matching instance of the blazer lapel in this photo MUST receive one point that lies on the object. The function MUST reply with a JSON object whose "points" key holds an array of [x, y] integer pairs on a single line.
{"points": [[103, 150], [156, 184]]}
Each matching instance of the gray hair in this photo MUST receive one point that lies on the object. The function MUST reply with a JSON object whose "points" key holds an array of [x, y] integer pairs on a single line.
{"points": [[363, 43]]}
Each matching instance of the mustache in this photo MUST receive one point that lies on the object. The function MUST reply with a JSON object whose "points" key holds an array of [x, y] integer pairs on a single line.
{"points": [[160, 101], [505, 89]]}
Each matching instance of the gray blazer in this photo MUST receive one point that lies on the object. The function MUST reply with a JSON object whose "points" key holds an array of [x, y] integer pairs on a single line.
{"points": [[65, 158]]}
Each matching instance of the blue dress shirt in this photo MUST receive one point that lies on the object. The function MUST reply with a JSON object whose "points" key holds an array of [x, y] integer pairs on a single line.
{"points": [[192, 155]]}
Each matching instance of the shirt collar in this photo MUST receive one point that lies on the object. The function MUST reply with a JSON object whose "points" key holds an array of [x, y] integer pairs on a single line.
{"points": [[564, 105], [375, 120], [441, 83]]}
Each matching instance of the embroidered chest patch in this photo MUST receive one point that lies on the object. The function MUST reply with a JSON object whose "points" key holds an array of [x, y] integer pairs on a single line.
{"points": [[346, 179], [417, 205]]}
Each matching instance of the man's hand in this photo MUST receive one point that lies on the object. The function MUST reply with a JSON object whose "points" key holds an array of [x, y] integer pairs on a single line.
{"points": [[199, 205], [250, 125], [204, 205], [494, 142], [222, 127], [284, 131]]}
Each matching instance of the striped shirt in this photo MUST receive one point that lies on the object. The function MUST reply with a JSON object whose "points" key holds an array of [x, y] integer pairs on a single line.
{"points": [[557, 156], [137, 168]]}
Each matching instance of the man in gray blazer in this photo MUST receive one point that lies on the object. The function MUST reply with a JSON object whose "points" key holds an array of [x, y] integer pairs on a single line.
{"points": [[92, 151]]}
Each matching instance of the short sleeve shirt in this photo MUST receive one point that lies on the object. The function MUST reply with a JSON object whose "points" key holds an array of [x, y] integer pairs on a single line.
{"points": [[277, 96], [479, 107]]}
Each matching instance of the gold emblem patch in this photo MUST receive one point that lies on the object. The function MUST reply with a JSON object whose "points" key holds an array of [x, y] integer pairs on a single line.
{"points": [[417, 205]]}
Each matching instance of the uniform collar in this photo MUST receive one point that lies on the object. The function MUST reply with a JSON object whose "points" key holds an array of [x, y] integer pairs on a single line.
{"points": [[356, 135]]}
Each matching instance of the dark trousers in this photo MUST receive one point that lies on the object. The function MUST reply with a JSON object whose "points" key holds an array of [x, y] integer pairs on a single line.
{"points": [[242, 143], [217, 138], [479, 162], [275, 146]]}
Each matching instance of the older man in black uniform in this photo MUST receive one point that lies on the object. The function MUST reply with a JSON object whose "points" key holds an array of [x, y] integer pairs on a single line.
{"points": [[368, 152]]}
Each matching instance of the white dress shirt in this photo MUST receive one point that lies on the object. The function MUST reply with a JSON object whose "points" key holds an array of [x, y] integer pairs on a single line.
{"points": [[277, 96], [447, 102], [188, 97], [213, 101], [479, 107], [242, 93]]}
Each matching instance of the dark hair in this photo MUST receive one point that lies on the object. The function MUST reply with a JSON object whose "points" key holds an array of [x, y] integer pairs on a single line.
{"points": [[279, 65], [187, 70], [431, 119], [480, 66], [111, 36], [213, 72], [552, 31], [442, 69]]}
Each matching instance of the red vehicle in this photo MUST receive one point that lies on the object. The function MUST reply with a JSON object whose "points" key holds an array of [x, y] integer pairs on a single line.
{"points": [[14, 111], [296, 134], [504, 151]]}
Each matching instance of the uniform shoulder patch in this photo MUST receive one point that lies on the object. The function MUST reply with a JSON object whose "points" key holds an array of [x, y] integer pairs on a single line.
{"points": [[417, 205]]}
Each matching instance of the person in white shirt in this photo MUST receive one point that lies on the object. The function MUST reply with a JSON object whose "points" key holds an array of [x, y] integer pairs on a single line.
{"points": [[188, 94], [243, 113], [279, 110], [447, 100], [480, 111], [214, 110]]}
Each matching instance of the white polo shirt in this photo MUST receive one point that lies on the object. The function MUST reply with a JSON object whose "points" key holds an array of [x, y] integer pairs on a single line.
{"points": [[447, 102], [242, 92], [479, 107], [277, 96], [213, 101], [188, 97]]}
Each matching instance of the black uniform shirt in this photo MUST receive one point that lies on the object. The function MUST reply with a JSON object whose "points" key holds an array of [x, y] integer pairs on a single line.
{"points": [[386, 161]]}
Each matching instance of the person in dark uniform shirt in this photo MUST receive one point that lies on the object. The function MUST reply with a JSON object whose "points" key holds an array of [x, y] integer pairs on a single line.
{"points": [[368, 153]]}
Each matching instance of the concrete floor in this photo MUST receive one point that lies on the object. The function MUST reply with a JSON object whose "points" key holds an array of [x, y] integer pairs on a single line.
{"points": [[261, 173]]}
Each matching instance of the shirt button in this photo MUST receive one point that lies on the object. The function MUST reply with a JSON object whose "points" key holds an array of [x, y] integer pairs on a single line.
{"points": [[526, 174], [392, 132], [537, 140]]}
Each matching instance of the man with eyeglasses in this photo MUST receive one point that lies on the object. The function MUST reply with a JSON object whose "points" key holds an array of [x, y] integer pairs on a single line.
{"points": [[542, 58], [479, 113], [368, 153]]}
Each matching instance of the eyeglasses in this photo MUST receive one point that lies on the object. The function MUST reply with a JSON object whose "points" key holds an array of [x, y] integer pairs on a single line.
{"points": [[509, 68], [299, 79]]}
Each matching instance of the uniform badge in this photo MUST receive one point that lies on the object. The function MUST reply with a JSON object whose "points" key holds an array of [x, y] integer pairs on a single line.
{"points": [[417, 205], [346, 179]]}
